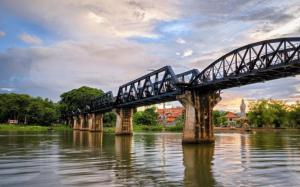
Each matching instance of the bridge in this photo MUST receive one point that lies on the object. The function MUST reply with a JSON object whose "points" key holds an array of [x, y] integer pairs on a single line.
{"points": [[197, 91]]}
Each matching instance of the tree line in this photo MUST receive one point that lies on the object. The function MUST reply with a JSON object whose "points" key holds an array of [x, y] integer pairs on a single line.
{"points": [[274, 113], [27, 109], [266, 113], [36, 110]]}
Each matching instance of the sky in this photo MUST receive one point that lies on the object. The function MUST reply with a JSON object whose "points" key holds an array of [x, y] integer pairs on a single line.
{"points": [[52, 46]]}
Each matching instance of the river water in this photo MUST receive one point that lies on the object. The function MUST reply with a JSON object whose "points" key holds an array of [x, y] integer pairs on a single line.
{"points": [[95, 159]]}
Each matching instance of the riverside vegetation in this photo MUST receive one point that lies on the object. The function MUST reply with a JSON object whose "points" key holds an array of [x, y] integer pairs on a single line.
{"points": [[44, 113]]}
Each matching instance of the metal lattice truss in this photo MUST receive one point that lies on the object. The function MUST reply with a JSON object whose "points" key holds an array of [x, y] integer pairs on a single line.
{"points": [[103, 103], [155, 87], [257, 62], [186, 78], [159, 85]]}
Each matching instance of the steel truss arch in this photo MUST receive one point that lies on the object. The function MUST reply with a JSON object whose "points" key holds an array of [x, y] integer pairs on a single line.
{"points": [[256, 62]]}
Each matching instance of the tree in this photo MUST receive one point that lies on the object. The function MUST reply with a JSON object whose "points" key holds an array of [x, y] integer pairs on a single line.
{"points": [[109, 119], [268, 113], [27, 109], [279, 111], [78, 98], [147, 117], [294, 115], [218, 118]]}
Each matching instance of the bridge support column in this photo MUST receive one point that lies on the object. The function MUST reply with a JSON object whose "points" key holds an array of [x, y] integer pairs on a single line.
{"points": [[124, 121], [91, 121], [95, 122], [82, 122], [198, 127], [76, 123]]}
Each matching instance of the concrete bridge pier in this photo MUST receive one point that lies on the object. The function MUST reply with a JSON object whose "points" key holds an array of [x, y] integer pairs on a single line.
{"points": [[83, 122], [198, 127], [124, 121], [91, 121], [95, 122], [76, 123]]}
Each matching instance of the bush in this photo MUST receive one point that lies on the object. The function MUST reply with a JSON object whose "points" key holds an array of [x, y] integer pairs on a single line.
{"points": [[147, 117], [175, 128], [142, 128], [109, 119]]}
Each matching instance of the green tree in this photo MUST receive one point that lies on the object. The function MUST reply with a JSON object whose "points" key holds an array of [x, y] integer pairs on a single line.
{"points": [[294, 115], [279, 113], [268, 113], [27, 109], [146, 117], [218, 118], [78, 98], [109, 119]]}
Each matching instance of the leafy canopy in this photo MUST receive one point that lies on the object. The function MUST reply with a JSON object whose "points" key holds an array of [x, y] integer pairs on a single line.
{"points": [[78, 98]]}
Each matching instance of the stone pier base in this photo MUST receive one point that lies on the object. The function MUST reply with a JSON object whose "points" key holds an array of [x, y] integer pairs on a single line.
{"points": [[76, 123], [83, 122], [95, 122], [198, 127], [124, 121]]}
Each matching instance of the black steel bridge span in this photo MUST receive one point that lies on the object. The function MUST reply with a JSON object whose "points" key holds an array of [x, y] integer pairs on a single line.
{"points": [[252, 63]]}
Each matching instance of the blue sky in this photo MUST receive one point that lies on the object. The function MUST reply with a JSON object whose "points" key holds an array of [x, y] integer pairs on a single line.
{"points": [[49, 47]]}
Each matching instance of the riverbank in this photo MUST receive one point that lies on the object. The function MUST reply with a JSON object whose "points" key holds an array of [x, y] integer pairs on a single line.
{"points": [[60, 127], [254, 130], [34, 128], [136, 128], [146, 128]]}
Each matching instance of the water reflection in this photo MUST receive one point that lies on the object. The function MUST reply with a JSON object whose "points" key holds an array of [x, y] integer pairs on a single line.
{"points": [[197, 162], [87, 139], [83, 158], [124, 171]]}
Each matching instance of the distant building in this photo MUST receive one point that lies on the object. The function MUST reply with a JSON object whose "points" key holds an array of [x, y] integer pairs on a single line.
{"points": [[231, 118], [12, 121], [170, 114]]}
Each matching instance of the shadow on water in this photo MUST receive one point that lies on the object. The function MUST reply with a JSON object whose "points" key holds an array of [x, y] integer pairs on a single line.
{"points": [[197, 162]]}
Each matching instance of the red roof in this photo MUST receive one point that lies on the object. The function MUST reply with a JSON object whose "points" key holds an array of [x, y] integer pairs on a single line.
{"points": [[231, 115], [170, 113]]}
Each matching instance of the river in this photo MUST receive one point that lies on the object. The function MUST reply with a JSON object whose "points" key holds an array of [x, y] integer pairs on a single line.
{"points": [[95, 159]]}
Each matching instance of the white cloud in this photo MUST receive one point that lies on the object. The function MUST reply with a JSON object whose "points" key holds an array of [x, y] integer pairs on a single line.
{"points": [[290, 28], [30, 39], [7, 89], [96, 18], [2, 34], [92, 19], [187, 53], [180, 41]]}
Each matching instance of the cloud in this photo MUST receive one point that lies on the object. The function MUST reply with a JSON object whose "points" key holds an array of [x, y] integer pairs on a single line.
{"points": [[187, 53], [93, 19], [2, 34], [30, 39], [180, 41], [67, 65], [7, 89]]}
